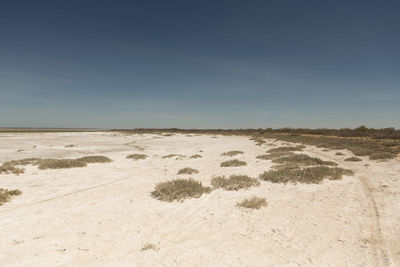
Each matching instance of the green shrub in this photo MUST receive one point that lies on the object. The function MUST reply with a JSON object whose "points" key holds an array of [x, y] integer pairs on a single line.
{"points": [[303, 160]]}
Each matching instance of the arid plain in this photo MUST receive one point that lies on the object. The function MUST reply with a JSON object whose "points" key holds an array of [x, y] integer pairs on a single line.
{"points": [[108, 214]]}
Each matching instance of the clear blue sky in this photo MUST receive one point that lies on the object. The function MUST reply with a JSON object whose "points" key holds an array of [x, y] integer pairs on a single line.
{"points": [[199, 64]]}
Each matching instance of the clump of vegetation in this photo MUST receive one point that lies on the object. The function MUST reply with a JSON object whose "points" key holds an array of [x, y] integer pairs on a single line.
{"points": [[232, 153], [173, 155], [354, 159], [233, 163], [179, 189], [275, 155], [286, 149], [11, 166], [339, 154], [95, 159], [187, 170], [168, 134], [148, 246], [253, 203], [5, 195], [259, 141], [234, 182], [60, 164], [307, 175], [70, 146], [136, 156], [195, 156], [304, 160]]}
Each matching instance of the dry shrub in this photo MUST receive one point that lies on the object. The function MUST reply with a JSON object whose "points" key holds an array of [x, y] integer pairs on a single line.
{"points": [[339, 154], [232, 153], [234, 182], [354, 159], [195, 156], [136, 156], [179, 189], [233, 163], [307, 175], [70, 146], [187, 170], [253, 203], [5, 195]]}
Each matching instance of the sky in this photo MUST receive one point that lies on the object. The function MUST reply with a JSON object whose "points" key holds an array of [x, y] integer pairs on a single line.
{"points": [[199, 64]]}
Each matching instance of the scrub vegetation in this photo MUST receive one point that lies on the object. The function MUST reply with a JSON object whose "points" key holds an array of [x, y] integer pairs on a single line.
{"points": [[232, 153], [136, 156], [187, 170], [233, 163], [12, 166], [179, 189], [6, 195], [253, 203], [234, 182]]}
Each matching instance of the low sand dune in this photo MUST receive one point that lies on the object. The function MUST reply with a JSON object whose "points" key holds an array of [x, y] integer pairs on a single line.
{"points": [[104, 214]]}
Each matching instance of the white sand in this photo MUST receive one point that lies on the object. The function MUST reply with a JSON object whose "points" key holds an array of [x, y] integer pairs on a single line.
{"points": [[103, 214]]}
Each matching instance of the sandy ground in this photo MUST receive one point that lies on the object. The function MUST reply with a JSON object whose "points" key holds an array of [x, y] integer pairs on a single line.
{"points": [[103, 214]]}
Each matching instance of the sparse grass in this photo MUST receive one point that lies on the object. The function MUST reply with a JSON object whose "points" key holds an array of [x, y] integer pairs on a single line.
{"points": [[339, 154], [253, 203], [136, 156], [5, 195], [195, 156], [148, 246], [232, 153], [233, 163], [187, 170], [179, 189], [234, 182], [354, 159], [307, 175], [259, 141], [303, 160]]}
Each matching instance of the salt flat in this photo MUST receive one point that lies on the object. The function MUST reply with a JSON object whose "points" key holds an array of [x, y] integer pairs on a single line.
{"points": [[103, 214]]}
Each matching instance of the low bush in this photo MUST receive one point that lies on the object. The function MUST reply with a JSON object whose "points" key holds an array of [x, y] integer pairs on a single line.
{"points": [[5, 195], [234, 182], [187, 171], [232, 153], [136, 156], [253, 203], [179, 189], [233, 163]]}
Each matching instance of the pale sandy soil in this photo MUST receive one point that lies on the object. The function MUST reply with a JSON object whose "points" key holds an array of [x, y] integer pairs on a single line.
{"points": [[103, 214]]}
